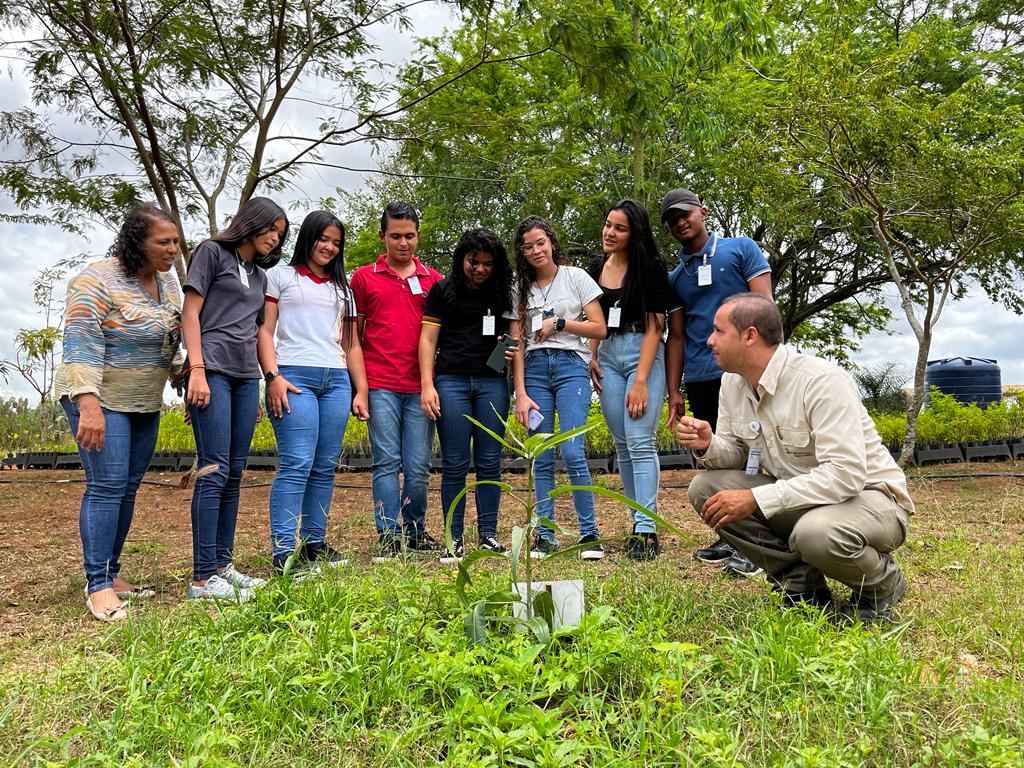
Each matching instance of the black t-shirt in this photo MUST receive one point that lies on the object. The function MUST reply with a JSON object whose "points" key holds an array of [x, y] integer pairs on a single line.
{"points": [[631, 320], [462, 348]]}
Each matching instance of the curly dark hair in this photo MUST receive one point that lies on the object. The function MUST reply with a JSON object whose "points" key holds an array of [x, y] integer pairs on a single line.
{"points": [[255, 217], [127, 248], [499, 284], [525, 272]]}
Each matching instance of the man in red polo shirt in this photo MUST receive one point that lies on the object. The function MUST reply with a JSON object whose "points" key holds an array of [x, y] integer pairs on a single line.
{"points": [[390, 295]]}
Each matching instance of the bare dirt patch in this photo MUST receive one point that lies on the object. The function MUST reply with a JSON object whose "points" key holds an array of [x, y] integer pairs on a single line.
{"points": [[40, 556]]}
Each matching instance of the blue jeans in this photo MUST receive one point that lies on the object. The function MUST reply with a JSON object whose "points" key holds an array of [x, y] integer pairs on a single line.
{"points": [[112, 478], [558, 379], [635, 448], [308, 443], [401, 439], [223, 432], [479, 397]]}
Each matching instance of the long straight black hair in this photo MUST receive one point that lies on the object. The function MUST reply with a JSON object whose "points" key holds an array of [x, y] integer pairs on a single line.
{"points": [[644, 261], [255, 217], [313, 226]]}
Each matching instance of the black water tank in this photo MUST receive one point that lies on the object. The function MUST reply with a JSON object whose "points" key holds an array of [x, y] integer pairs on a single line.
{"points": [[968, 379]]}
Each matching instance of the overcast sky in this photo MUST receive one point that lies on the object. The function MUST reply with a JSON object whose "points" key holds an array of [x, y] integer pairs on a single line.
{"points": [[972, 327]]}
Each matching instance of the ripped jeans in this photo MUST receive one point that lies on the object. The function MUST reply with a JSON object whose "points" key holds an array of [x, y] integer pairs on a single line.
{"points": [[401, 439], [559, 380]]}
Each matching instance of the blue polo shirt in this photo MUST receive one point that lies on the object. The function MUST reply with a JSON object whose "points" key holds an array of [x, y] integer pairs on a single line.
{"points": [[736, 260]]}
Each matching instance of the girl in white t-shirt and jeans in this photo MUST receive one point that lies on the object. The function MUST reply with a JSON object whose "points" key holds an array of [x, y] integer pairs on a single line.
{"points": [[315, 376], [556, 310]]}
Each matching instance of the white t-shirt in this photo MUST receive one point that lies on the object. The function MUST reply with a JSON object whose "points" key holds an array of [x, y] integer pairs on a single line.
{"points": [[310, 313], [565, 296]]}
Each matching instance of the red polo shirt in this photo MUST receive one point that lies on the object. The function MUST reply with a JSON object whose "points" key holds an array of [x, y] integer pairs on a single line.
{"points": [[393, 316]]}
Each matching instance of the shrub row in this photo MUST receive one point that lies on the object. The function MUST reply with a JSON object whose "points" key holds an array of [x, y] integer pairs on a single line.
{"points": [[945, 420]]}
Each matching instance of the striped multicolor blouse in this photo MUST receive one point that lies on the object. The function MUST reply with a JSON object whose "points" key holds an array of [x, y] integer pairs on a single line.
{"points": [[119, 343]]}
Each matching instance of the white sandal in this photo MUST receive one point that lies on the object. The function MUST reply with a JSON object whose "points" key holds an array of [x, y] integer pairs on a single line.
{"points": [[118, 612]]}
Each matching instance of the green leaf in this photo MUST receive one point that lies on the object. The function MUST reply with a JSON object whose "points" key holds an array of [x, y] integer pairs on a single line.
{"points": [[541, 630], [476, 624], [563, 489]]}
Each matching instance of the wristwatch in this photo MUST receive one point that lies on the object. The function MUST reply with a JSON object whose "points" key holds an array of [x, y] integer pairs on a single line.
{"points": [[559, 325], [269, 376]]}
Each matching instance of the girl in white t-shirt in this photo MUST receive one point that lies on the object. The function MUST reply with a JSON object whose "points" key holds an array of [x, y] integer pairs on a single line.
{"points": [[315, 376], [556, 309]]}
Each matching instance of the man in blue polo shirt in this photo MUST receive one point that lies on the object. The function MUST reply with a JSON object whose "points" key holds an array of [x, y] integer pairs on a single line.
{"points": [[710, 269]]}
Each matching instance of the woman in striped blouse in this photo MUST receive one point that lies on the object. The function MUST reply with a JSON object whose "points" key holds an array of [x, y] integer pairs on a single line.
{"points": [[121, 334]]}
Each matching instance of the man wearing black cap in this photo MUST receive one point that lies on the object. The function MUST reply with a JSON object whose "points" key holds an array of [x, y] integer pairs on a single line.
{"points": [[710, 269]]}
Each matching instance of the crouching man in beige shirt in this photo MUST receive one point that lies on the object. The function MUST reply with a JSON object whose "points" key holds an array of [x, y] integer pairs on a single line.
{"points": [[797, 478]]}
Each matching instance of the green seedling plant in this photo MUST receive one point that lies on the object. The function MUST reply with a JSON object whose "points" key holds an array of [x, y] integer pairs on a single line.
{"points": [[539, 606]]}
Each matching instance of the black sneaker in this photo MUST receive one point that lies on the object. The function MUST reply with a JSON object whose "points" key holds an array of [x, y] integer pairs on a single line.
{"points": [[819, 598], [874, 608], [389, 547], [299, 568], [491, 544], [455, 554], [322, 554], [642, 546], [423, 543], [592, 550], [738, 565], [542, 548], [716, 554]]}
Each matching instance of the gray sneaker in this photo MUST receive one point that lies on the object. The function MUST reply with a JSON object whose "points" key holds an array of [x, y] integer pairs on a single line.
{"points": [[241, 580], [219, 588]]}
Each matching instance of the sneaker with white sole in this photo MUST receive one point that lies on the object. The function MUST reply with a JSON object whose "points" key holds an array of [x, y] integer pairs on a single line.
{"points": [[739, 565], [542, 548], [455, 554], [320, 553], [592, 549], [491, 544], [219, 588], [238, 579]]}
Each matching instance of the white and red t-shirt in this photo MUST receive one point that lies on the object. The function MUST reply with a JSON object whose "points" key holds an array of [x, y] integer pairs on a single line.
{"points": [[311, 311]]}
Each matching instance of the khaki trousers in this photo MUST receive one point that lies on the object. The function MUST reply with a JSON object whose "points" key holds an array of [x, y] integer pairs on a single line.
{"points": [[851, 542]]}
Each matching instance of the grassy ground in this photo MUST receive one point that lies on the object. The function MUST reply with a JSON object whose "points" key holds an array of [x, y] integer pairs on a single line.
{"points": [[674, 664]]}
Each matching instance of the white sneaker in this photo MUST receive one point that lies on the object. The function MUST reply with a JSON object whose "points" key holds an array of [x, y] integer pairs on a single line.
{"points": [[219, 588], [241, 580]]}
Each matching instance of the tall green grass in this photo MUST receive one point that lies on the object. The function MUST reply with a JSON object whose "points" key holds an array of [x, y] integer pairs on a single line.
{"points": [[372, 668]]}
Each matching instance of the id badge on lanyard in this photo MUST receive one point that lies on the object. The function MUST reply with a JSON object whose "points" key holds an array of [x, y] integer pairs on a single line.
{"points": [[488, 324], [614, 316], [704, 270]]}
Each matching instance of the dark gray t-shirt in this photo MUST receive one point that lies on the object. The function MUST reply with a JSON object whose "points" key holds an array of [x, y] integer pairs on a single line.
{"points": [[231, 312]]}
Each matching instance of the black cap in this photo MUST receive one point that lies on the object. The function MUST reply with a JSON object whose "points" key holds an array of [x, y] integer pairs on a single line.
{"points": [[680, 199]]}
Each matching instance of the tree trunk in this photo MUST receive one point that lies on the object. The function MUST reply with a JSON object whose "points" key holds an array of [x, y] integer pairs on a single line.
{"points": [[910, 438]]}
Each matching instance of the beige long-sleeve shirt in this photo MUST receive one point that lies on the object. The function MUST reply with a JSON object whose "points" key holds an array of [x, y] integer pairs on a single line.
{"points": [[813, 433]]}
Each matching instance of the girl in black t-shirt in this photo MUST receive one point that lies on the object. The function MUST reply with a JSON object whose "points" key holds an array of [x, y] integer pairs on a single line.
{"points": [[628, 367], [463, 320]]}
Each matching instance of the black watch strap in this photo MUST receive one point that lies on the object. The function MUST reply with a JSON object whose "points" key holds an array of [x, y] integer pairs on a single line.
{"points": [[269, 376], [560, 324]]}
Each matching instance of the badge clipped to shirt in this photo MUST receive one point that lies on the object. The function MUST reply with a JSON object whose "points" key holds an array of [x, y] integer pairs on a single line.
{"points": [[242, 274], [704, 274], [536, 322], [414, 285], [488, 324], [614, 316], [753, 461]]}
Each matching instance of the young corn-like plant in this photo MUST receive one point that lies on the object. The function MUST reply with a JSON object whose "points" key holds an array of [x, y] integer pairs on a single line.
{"points": [[539, 607]]}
